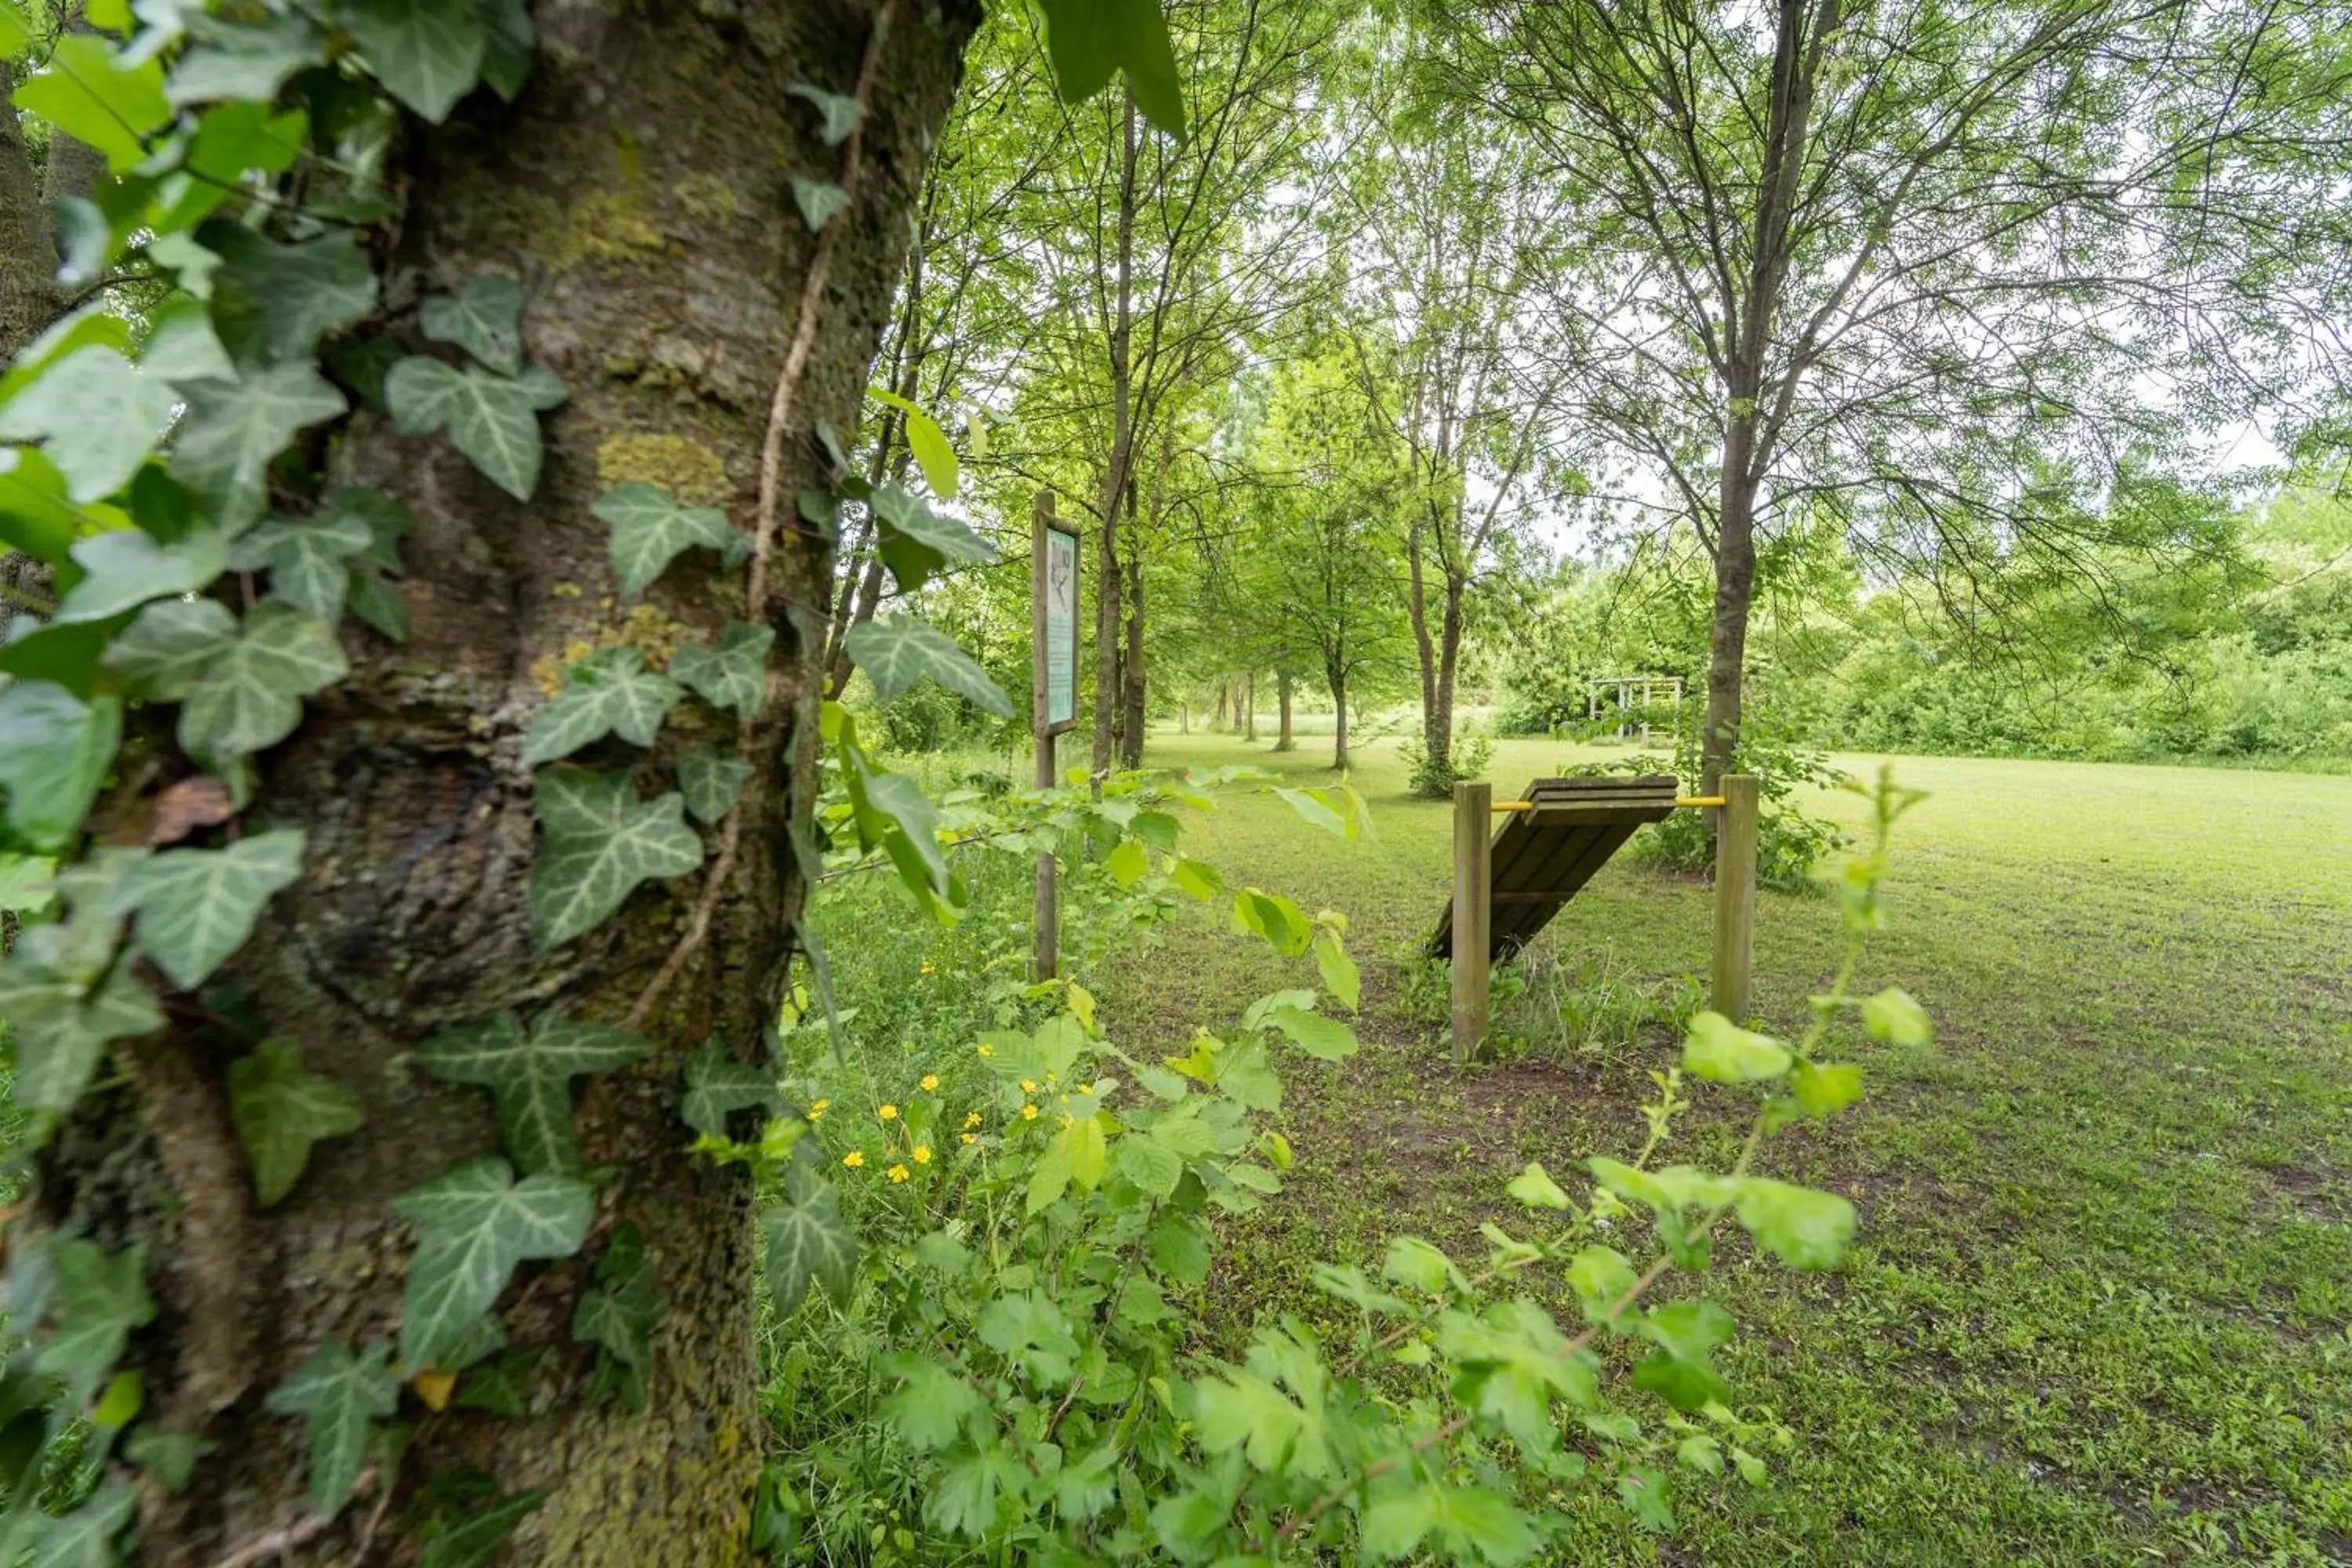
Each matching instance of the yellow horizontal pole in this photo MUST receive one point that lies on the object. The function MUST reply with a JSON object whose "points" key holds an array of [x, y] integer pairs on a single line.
{"points": [[1703, 800]]}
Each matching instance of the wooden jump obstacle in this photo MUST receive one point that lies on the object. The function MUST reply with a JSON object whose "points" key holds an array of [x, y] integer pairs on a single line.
{"points": [[1508, 884]]}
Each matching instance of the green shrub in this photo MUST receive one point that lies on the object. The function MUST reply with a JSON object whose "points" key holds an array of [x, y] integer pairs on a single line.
{"points": [[1006, 1367]]}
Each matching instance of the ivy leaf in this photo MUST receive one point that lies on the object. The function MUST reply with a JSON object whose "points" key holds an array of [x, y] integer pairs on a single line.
{"points": [[820, 201], [493, 419], [99, 417], [339, 1397], [243, 60], [808, 1240], [184, 348], [475, 1541], [235, 429], [841, 114], [279, 1109], [650, 527], [484, 320], [167, 649], [717, 1085], [427, 53], [59, 1024], [601, 843], [711, 781], [609, 692], [530, 1077], [276, 304], [306, 559], [618, 1316], [127, 567], [86, 92], [510, 43], [897, 651], [101, 1296], [250, 697], [197, 906], [87, 1537], [477, 1222], [167, 1457], [732, 675], [55, 749], [379, 604]]}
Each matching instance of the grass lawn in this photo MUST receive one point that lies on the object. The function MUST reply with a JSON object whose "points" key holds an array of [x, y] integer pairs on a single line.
{"points": [[2099, 1307]]}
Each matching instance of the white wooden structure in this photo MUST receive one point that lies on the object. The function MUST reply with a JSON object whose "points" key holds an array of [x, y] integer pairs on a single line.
{"points": [[1629, 695]]}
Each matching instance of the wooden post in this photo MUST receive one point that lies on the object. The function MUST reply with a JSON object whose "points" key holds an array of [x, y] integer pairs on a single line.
{"points": [[1048, 920], [1474, 912], [1735, 895]]}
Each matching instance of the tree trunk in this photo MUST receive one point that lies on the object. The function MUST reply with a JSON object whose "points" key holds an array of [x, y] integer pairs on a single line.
{"points": [[1283, 740], [1218, 722], [1131, 671], [1804, 25], [1338, 679], [28, 258], [413, 916], [1249, 707], [1734, 590], [1122, 441], [1436, 729], [1184, 718]]}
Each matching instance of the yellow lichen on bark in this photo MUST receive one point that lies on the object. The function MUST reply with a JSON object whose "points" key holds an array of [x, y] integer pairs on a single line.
{"points": [[678, 464]]}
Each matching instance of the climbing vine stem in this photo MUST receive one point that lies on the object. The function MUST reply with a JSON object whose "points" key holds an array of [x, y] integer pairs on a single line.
{"points": [[765, 522]]}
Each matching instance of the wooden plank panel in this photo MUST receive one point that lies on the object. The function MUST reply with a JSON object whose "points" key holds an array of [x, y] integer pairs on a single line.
{"points": [[1538, 858], [1604, 846]]}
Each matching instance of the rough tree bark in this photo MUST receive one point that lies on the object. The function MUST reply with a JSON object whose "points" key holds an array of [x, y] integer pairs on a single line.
{"points": [[1283, 741], [635, 190]]}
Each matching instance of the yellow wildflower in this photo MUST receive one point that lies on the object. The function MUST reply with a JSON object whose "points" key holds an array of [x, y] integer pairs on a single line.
{"points": [[967, 1137], [985, 1050], [1028, 1086], [854, 1159], [890, 1113], [927, 966], [931, 1082], [922, 1154], [1028, 1113], [972, 1120], [817, 1111], [897, 1173]]}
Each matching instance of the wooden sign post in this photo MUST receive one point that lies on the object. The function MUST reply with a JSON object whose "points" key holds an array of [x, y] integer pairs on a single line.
{"points": [[1053, 558]]}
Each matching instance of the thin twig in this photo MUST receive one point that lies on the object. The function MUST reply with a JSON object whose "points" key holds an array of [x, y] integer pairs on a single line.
{"points": [[764, 538], [287, 1537]]}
